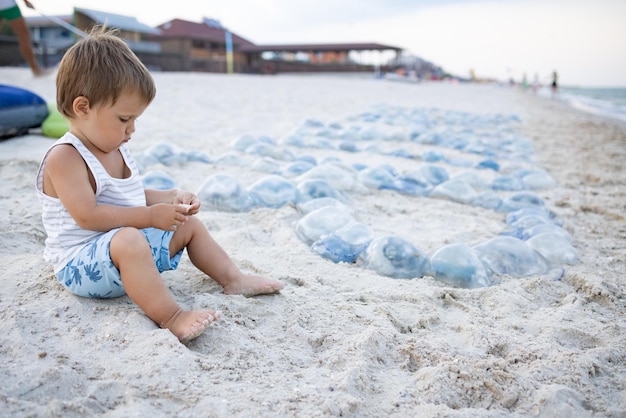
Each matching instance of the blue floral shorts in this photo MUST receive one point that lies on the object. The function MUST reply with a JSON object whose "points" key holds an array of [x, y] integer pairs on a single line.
{"points": [[91, 273]]}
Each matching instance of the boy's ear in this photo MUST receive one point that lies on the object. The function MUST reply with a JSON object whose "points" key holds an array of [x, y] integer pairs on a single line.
{"points": [[80, 106]]}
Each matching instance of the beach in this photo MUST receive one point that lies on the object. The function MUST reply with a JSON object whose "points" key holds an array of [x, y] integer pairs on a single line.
{"points": [[339, 340]]}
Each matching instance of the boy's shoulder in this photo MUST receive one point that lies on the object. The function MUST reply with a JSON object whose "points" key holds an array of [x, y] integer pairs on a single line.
{"points": [[65, 144], [64, 156], [65, 151]]}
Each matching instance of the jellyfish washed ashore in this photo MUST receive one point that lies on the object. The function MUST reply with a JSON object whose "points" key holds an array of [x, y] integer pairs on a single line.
{"points": [[497, 173]]}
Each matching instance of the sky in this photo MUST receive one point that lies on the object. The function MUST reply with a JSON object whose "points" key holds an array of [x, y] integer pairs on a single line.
{"points": [[583, 40]]}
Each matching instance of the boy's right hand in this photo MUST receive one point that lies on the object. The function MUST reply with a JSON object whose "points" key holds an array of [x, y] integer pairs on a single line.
{"points": [[166, 216]]}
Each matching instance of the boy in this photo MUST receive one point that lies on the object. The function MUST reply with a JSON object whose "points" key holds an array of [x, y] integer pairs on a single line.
{"points": [[107, 236]]}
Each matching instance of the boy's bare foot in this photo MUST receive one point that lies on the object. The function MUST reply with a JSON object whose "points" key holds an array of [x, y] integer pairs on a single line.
{"points": [[187, 325], [249, 285]]}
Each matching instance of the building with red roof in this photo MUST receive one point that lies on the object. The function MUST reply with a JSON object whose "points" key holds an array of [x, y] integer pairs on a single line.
{"points": [[181, 45]]}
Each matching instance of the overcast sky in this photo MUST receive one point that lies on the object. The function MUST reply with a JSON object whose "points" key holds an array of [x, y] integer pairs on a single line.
{"points": [[583, 40]]}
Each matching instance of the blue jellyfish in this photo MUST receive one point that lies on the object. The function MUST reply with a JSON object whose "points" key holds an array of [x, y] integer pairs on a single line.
{"points": [[401, 153], [264, 149], [243, 142], [230, 160], [395, 257], [543, 228], [348, 146], [553, 247], [316, 188], [504, 255], [541, 211], [487, 200], [322, 222], [320, 202], [273, 191], [166, 153], [296, 168], [412, 184], [340, 176], [294, 140], [345, 244], [521, 200], [507, 183], [434, 174], [458, 265], [535, 179], [455, 190], [158, 180], [433, 156], [377, 177], [197, 157], [225, 193], [488, 164], [307, 158], [266, 165], [472, 178], [528, 221]]}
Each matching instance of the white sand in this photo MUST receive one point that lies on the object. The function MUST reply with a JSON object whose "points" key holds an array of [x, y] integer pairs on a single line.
{"points": [[338, 340]]}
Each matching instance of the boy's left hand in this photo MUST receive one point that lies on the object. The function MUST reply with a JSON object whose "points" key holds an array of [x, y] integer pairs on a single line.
{"points": [[189, 199]]}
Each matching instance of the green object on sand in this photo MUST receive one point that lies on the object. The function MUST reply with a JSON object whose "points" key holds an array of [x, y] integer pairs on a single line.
{"points": [[55, 125]]}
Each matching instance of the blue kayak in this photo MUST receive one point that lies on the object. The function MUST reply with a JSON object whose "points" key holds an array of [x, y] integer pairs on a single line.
{"points": [[20, 110]]}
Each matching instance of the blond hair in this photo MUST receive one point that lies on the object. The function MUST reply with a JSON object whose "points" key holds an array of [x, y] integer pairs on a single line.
{"points": [[101, 67]]}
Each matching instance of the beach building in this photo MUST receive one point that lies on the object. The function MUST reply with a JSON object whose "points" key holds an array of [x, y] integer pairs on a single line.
{"points": [[132, 31], [50, 39], [413, 67], [53, 35], [313, 57], [200, 46], [205, 46]]}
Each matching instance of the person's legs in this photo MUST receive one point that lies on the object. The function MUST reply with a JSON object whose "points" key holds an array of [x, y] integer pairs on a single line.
{"points": [[26, 48], [207, 255], [132, 256]]}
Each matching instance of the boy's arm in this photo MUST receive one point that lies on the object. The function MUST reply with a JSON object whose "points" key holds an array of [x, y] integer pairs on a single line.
{"points": [[154, 197], [67, 177], [174, 196]]}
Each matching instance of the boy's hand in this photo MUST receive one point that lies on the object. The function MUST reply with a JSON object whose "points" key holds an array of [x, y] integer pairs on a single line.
{"points": [[188, 201], [167, 217]]}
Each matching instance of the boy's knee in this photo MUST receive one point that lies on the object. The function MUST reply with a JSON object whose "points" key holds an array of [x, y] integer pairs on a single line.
{"points": [[195, 222], [128, 241]]}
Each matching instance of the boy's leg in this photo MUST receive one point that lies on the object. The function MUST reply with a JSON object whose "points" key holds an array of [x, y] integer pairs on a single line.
{"points": [[207, 255], [142, 282]]}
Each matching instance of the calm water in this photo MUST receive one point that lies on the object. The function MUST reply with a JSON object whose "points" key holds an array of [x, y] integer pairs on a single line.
{"points": [[610, 102]]}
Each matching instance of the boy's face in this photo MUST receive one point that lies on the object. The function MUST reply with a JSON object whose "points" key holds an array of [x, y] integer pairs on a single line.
{"points": [[108, 127]]}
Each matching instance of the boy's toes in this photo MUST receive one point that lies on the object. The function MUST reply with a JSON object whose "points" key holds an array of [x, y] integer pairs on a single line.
{"points": [[202, 320]]}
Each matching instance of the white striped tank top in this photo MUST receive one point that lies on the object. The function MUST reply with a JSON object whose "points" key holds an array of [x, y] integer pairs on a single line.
{"points": [[64, 237]]}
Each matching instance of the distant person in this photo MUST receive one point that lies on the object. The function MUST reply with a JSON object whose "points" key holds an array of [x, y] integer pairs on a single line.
{"points": [[555, 84], [10, 11], [535, 83], [107, 236]]}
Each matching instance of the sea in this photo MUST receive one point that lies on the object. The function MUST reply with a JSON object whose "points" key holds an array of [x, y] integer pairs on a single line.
{"points": [[604, 101]]}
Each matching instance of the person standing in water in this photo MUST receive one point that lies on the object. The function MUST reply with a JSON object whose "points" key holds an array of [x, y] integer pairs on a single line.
{"points": [[555, 84]]}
